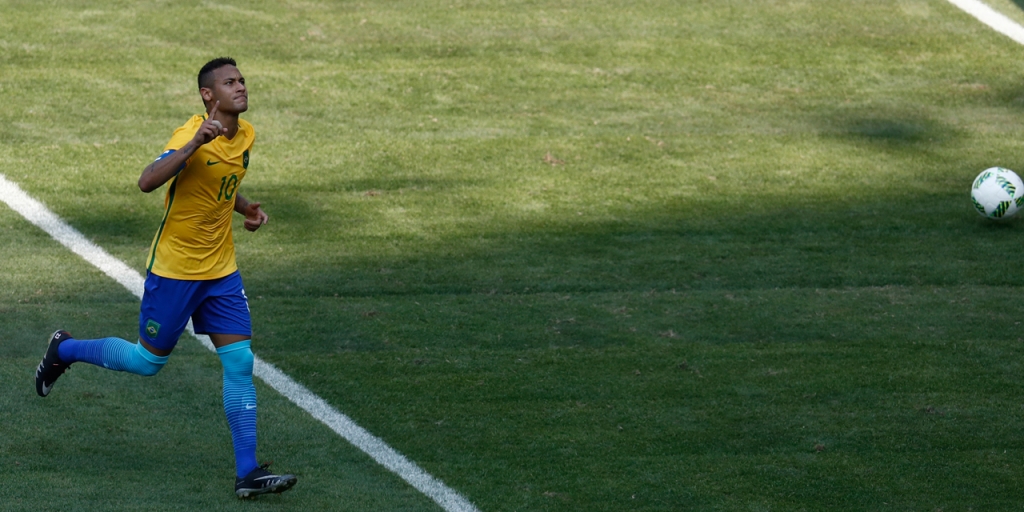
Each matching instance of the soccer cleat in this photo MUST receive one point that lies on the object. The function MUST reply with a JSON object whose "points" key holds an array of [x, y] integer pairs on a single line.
{"points": [[260, 481], [51, 366]]}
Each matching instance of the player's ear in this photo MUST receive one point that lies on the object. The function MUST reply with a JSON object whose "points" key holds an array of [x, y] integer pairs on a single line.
{"points": [[206, 93]]}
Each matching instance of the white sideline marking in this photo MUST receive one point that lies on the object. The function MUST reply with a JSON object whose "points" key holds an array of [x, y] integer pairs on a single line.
{"points": [[36, 213], [985, 14]]}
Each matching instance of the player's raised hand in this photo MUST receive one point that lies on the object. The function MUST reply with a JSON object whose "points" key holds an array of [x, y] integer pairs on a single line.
{"points": [[211, 128], [255, 216]]}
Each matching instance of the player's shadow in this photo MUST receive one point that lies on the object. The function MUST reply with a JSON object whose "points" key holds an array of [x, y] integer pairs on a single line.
{"points": [[891, 130], [885, 129]]}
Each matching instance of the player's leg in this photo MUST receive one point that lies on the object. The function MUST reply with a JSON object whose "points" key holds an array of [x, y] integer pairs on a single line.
{"points": [[114, 354], [224, 315], [165, 302], [239, 399]]}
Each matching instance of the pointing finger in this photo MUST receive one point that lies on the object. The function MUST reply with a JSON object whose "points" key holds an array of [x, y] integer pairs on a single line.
{"points": [[218, 127]]}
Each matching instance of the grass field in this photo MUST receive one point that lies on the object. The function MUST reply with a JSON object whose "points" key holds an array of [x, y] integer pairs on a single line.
{"points": [[605, 255]]}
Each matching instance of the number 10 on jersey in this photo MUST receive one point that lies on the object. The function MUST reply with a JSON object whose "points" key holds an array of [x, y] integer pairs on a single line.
{"points": [[228, 184]]}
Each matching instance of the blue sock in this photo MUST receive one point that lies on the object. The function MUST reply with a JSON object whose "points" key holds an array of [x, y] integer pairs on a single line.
{"points": [[113, 353], [240, 403]]}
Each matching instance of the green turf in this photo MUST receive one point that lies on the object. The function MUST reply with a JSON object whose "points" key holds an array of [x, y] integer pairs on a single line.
{"points": [[563, 255]]}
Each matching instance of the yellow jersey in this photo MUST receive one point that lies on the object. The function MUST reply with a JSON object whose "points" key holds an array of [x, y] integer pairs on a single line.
{"points": [[194, 239]]}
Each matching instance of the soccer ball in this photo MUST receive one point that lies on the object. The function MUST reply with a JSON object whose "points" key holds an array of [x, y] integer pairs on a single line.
{"points": [[997, 193]]}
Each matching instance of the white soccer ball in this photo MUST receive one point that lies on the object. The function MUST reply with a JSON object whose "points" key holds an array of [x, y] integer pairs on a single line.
{"points": [[997, 193]]}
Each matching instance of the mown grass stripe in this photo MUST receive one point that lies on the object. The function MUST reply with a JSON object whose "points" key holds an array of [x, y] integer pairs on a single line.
{"points": [[37, 213]]}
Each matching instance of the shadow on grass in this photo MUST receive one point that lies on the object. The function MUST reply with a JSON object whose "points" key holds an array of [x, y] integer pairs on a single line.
{"points": [[886, 128], [890, 130], [892, 240]]}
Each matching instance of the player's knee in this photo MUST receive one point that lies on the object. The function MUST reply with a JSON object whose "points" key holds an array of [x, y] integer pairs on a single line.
{"points": [[237, 358], [146, 363], [148, 369]]}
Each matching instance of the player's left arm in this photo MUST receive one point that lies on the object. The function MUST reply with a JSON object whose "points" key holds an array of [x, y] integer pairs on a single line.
{"points": [[254, 215]]}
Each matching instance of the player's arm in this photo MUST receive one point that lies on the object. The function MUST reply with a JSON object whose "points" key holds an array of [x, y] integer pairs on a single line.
{"points": [[172, 162], [254, 215], [169, 164]]}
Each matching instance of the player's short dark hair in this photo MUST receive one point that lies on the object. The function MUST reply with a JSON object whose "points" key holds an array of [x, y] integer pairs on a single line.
{"points": [[206, 73]]}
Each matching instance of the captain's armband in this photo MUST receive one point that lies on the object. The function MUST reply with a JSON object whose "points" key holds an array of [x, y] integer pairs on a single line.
{"points": [[168, 153]]}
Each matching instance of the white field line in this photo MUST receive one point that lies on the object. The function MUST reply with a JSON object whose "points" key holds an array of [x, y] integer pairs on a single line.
{"points": [[985, 14], [36, 213]]}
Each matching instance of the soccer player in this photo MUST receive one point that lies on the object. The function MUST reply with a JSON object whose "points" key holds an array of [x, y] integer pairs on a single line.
{"points": [[191, 270]]}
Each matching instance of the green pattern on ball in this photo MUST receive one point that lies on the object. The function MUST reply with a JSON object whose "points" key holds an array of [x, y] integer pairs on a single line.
{"points": [[981, 209], [1001, 209], [1006, 185], [981, 179]]}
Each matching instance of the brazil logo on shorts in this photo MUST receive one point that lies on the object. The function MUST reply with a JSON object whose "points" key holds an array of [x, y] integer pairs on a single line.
{"points": [[152, 328]]}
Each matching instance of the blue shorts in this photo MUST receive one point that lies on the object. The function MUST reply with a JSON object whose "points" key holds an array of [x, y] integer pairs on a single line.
{"points": [[216, 306]]}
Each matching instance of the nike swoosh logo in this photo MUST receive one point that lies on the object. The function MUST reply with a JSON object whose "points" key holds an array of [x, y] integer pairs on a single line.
{"points": [[46, 389], [250, 407], [212, 163]]}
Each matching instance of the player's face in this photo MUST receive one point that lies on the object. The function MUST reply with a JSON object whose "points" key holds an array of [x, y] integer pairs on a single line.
{"points": [[229, 88]]}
